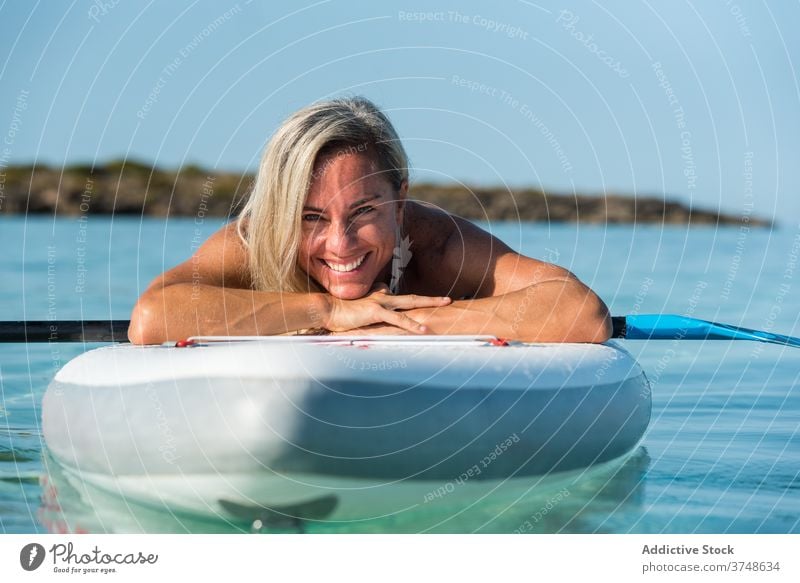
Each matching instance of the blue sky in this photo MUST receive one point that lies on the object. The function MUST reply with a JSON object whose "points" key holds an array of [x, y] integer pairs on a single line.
{"points": [[700, 101]]}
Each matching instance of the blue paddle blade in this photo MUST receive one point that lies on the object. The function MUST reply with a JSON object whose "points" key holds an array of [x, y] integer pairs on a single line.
{"points": [[670, 326]]}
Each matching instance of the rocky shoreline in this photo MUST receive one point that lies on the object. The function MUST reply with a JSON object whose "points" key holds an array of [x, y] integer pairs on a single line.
{"points": [[130, 188]]}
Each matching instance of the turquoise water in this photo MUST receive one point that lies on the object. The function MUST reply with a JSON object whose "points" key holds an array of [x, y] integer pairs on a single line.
{"points": [[722, 453]]}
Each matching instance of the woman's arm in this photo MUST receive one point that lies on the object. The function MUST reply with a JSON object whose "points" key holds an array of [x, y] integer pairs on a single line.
{"points": [[180, 310], [210, 294], [512, 296], [551, 311], [515, 297]]}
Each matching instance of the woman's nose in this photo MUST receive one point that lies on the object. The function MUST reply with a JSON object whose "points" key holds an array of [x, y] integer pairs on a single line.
{"points": [[340, 237]]}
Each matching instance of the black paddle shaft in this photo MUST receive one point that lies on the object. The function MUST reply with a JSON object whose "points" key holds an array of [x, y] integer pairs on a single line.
{"points": [[116, 330], [618, 327], [65, 331]]}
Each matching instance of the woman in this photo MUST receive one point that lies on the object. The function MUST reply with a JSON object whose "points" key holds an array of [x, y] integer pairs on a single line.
{"points": [[328, 243]]}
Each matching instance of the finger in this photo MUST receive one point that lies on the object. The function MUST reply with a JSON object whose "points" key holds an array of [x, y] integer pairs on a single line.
{"points": [[382, 329], [402, 321], [379, 288], [408, 302]]}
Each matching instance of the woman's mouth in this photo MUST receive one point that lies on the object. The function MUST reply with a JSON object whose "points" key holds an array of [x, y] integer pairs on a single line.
{"points": [[348, 267]]}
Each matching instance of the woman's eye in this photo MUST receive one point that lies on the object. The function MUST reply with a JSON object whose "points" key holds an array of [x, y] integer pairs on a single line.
{"points": [[311, 217], [363, 210]]}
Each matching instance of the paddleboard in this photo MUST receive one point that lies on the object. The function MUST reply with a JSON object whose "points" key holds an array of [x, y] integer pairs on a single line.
{"points": [[319, 428]]}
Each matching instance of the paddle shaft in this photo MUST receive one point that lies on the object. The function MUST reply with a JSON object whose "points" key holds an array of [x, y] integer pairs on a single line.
{"points": [[64, 331], [111, 330], [642, 327], [618, 327]]}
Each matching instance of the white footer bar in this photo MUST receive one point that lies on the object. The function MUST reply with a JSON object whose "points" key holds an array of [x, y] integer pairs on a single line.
{"points": [[354, 558]]}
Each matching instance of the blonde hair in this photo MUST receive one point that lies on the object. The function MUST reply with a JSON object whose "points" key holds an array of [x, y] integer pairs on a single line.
{"points": [[273, 212]]}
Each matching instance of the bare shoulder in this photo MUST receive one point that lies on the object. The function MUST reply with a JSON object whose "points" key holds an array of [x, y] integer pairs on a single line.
{"points": [[222, 260], [458, 258], [428, 227], [444, 247]]}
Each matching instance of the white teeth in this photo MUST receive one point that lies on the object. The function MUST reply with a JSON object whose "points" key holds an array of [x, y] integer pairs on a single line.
{"points": [[347, 266]]}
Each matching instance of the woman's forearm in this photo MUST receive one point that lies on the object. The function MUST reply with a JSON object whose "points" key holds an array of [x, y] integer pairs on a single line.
{"points": [[552, 311], [185, 309]]}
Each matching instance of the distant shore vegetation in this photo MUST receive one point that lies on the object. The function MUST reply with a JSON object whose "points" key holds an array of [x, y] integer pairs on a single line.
{"points": [[127, 187]]}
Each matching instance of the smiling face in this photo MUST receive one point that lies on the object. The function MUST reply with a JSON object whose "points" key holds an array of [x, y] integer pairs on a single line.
{"points": [[349, 222]]}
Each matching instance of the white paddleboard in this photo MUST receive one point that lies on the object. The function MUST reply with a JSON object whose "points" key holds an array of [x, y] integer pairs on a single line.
{"points": [[318, 428]]}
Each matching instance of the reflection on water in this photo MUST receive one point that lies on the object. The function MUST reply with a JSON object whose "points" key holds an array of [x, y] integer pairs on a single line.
{"points": [[585, 501]]}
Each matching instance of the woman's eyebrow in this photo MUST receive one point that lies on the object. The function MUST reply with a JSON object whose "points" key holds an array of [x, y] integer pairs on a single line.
{"points": [[352, 206], [363, 200]]}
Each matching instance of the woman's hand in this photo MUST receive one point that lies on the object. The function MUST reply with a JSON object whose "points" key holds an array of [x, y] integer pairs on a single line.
{"points": [[379, 307], [375, 330]]}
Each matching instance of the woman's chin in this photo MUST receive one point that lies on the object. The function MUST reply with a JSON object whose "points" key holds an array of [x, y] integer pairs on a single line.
{"points": [[349, 291]]}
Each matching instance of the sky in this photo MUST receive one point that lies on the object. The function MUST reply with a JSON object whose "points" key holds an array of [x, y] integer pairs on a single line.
{"points": [[694, 101]]}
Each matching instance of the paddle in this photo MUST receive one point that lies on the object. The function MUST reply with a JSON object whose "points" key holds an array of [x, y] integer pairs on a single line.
{"points": [[673, 327], [637, 327], [64, 331]]}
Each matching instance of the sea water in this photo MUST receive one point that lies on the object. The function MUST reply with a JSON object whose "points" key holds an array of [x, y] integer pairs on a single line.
{"points": [[721, 455]]}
